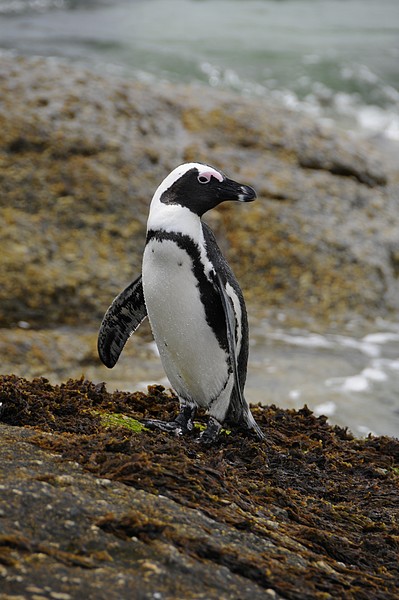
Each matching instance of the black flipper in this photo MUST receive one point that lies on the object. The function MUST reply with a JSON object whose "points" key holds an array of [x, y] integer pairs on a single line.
{"points": [[231, 336], [123, 317], [240, 405], [239, 411]]}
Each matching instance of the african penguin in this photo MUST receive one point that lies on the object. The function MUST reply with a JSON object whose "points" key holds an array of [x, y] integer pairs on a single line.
{"points": [[193, 301]]}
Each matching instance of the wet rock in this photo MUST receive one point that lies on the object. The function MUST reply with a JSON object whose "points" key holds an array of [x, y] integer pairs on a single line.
{"points": [[81, 154], [107, 511]]}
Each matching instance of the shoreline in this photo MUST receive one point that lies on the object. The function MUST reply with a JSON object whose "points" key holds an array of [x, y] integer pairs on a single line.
{"points": [[348, 374]]}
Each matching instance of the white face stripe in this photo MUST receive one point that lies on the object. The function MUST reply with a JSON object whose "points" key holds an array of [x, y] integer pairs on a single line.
{"points": [[182, 170]]}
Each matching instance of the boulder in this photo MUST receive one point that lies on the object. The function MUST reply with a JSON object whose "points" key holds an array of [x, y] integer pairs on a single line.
{"points": [[81, 154]]}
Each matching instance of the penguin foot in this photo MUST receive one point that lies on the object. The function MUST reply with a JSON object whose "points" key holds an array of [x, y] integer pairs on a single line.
{"points": [[167, 426], [181, 425], [211, 433]]}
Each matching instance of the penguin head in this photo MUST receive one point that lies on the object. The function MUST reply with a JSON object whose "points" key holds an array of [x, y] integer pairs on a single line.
{"points": [[200, 187]]}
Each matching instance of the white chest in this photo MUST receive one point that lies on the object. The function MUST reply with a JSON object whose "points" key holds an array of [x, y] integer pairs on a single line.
{"points": [[191, 355]]}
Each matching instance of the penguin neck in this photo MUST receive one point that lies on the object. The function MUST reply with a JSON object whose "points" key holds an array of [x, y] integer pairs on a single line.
{"points": [[174, 218]]}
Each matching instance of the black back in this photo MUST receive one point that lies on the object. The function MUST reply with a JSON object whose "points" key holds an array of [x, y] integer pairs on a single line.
{"points": [[238, 408], [226, 275]]}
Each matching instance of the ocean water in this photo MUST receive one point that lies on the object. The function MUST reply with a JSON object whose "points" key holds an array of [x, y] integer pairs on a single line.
{"points": [[352, 377], [336, 59]]}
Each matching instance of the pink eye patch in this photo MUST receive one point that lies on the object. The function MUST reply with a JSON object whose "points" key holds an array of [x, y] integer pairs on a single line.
{"points": [[205, 176]]}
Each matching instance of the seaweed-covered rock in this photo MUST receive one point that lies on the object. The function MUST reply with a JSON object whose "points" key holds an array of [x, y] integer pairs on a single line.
{"points": [[81, 154], [94, 505]]}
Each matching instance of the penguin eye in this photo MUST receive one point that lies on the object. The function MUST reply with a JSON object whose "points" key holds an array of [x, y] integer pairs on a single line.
{"points": [[204, 178]]}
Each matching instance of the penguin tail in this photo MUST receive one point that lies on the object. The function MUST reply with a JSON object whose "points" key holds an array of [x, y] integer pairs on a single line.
{"points": [[240, 414], [252, 424]]}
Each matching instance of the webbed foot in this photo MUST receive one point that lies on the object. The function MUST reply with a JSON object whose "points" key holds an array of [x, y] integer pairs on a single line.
{"points": [[181, 425], [211, 433], [167, 426]]}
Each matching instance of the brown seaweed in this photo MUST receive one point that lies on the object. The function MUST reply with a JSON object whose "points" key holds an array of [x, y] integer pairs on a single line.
{"points": [[310, 488]]}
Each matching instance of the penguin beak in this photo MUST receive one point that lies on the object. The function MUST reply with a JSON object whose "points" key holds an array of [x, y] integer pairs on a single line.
{"points": [[231, 190], [248, 194]]}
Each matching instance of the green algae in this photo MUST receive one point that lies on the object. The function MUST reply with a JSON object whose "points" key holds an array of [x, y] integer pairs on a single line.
{"points": [[119, 420]]}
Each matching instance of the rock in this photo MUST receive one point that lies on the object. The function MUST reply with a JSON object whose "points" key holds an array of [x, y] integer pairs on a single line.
{"points": [[82, 153], [89, 509], [66, 534]]}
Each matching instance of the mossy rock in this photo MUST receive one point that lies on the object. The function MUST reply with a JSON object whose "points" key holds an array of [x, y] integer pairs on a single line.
{"points": [[81, 155]]}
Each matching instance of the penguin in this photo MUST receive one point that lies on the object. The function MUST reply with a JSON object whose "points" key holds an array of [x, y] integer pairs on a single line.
{"points": [[193, 302]]}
